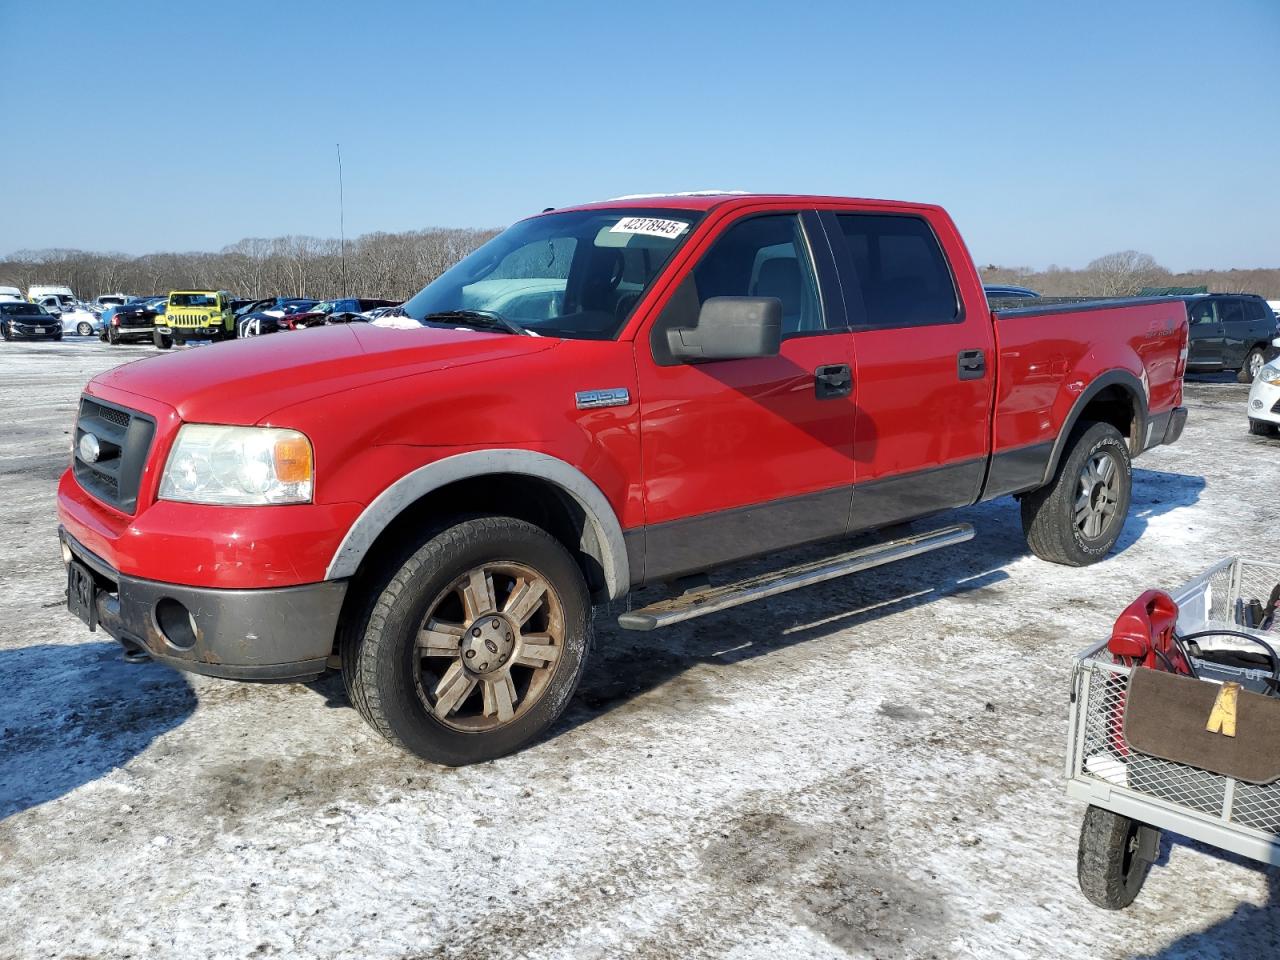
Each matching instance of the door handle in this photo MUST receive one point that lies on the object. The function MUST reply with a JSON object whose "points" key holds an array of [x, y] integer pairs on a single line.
{"points": [[971, 364], [832, 381]]}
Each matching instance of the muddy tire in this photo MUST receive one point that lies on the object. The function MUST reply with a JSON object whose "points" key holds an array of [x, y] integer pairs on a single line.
{"points": [[1077, 518], [471, 642], [1254, 361], [1115, 857]]}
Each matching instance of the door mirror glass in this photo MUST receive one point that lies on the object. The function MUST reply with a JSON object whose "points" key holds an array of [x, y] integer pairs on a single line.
{"points": [[730, 328]]}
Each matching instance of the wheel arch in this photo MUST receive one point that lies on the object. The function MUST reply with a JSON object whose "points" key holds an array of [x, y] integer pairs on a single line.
{"points": [[469, 479], [1116, 397]]}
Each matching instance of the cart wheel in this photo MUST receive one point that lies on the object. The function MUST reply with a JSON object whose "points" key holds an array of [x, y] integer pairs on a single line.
{"points": [[1115, 855]]}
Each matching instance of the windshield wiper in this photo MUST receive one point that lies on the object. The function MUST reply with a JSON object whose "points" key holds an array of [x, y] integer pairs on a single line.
{"points": [[481, 319]]}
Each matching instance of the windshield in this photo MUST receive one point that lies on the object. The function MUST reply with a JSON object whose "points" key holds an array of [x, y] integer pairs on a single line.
{"points": [[193, 300], [577, 274], [21, 310]]}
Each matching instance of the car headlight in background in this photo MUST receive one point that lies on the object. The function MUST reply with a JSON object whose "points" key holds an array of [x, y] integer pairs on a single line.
{"points": [[1270, 374], [238, 465]]}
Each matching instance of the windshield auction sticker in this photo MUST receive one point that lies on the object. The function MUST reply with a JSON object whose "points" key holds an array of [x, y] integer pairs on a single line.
{"points": [[650, 227]]}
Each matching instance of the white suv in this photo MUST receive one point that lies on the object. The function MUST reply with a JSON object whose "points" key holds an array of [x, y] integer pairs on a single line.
{"points": [[1264, 399]]}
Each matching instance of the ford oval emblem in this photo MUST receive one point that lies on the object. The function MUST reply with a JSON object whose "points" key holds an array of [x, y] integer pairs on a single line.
{"points": [[89, 448]]}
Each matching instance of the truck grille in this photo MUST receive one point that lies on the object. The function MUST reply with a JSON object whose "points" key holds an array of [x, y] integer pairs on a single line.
{"points": [[124, 439], [190, 320]]}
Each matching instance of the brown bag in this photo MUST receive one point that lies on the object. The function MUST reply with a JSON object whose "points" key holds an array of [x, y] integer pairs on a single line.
{"points": [[1168, 716]]}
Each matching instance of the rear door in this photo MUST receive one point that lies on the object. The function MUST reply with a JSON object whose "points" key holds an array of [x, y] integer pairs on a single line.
{"points": [[743, 457], [1206, 335], [924, 367], [1235, 332]]}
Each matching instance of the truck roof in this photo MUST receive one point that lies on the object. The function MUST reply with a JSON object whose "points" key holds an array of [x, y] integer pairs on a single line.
{"points": [[708, 200]]}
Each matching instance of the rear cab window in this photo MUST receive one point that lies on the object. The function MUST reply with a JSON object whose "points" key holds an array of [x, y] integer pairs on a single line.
{"points": [[895, 273]]}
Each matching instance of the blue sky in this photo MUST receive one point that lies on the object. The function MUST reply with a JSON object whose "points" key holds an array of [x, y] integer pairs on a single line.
{"points": [[1052, 132]]}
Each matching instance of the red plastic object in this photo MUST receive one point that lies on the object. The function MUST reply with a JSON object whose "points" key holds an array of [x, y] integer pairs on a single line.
{"points": [[1143, 634]]}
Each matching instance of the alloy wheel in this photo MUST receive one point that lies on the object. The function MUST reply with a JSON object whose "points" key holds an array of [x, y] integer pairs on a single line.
{"points": [[1256, 363], [1098, 496], [488, 646]]}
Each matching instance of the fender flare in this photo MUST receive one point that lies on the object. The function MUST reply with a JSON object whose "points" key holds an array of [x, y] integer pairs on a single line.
{"points": [[1112, 378], [389, 504]]}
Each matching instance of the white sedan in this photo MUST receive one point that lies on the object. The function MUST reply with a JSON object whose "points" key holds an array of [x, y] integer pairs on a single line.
{"points": [[79, 319], [1264, 399]]}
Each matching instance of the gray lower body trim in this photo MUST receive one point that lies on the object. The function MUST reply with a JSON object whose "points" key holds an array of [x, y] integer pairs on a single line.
{"points": [[692, 545], [695, 544], [283, 633], [909, 496], [1017, 471]]}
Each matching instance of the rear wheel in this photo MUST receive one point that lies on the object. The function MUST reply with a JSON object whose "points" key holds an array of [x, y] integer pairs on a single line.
{"points": [[1253, 365], [1077, 518], [473, 644], [1115, 856]]}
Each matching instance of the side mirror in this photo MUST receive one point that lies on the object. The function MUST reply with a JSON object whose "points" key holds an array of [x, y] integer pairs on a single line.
{"points": [[730, 328]]}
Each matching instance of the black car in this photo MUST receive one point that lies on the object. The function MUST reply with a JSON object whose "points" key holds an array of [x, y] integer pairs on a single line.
{"points": [[260, 321], [134, 321], [28, 321], [1229, 331]]}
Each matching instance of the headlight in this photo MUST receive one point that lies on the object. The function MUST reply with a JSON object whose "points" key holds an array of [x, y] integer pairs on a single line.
{"points": [[1270, 374], [238, 465]]}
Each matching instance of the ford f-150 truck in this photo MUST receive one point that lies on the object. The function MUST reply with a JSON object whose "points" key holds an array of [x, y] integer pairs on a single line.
{"points": [[618, 394]]}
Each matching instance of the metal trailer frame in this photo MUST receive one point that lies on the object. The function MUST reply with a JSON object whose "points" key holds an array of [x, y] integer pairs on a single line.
{"points": [[1240, 817]]}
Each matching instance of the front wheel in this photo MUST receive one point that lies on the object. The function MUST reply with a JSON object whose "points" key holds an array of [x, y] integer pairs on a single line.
{"points": [[84, 329], [473, 645], [1253, 365], [1114, 858], [163, 341], [1077, 518], [1260, 428]]}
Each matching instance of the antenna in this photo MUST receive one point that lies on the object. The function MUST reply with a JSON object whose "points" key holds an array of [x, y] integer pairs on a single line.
{"points": [[342, 223]]}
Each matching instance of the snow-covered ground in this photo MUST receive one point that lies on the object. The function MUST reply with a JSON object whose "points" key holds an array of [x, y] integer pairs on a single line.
{"points": [[872, 767]]}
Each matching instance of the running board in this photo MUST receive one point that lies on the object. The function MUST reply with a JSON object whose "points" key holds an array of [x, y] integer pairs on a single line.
{"points": [[705, 600]]}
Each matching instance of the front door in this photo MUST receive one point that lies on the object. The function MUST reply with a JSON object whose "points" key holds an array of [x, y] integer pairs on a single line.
{"points": [[1207, 338], [924, 367], [743, 457]]}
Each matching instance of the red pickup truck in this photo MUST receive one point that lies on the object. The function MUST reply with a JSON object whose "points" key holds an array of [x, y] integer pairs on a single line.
{"points": [[617, 394]]}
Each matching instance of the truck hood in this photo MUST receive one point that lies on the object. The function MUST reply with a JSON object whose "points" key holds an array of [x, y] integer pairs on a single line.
{"points": [[245, 381]]}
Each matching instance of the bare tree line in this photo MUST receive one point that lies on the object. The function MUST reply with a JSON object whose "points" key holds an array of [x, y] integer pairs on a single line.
{"points": [[397, 265], [1126, 272], [392, 265]]}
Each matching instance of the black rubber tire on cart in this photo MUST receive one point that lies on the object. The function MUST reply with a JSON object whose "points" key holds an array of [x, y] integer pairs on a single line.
{"points": [[1076, 519], [421, 623], [162, 341], [1254, 361], [1113, 863]]}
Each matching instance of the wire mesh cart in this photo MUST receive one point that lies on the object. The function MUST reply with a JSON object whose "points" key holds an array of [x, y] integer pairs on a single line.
{"points": [[1132, 796]]}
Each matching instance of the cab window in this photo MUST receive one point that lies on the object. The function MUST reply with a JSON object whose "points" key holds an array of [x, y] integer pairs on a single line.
{"points": [[899, 272], [764, 257]]}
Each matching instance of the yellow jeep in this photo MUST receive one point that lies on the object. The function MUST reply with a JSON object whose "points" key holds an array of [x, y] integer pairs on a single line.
{"points": [[195, 315]]}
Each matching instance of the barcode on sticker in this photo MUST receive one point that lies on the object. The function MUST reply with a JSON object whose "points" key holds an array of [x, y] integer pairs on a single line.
{"points": [[650, 226]]}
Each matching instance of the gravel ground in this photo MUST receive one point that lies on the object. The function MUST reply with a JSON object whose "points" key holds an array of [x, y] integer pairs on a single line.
{"points": [[872, 767]]}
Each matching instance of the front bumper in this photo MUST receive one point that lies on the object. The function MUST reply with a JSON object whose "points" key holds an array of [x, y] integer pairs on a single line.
{"points": [[282, 633]]}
